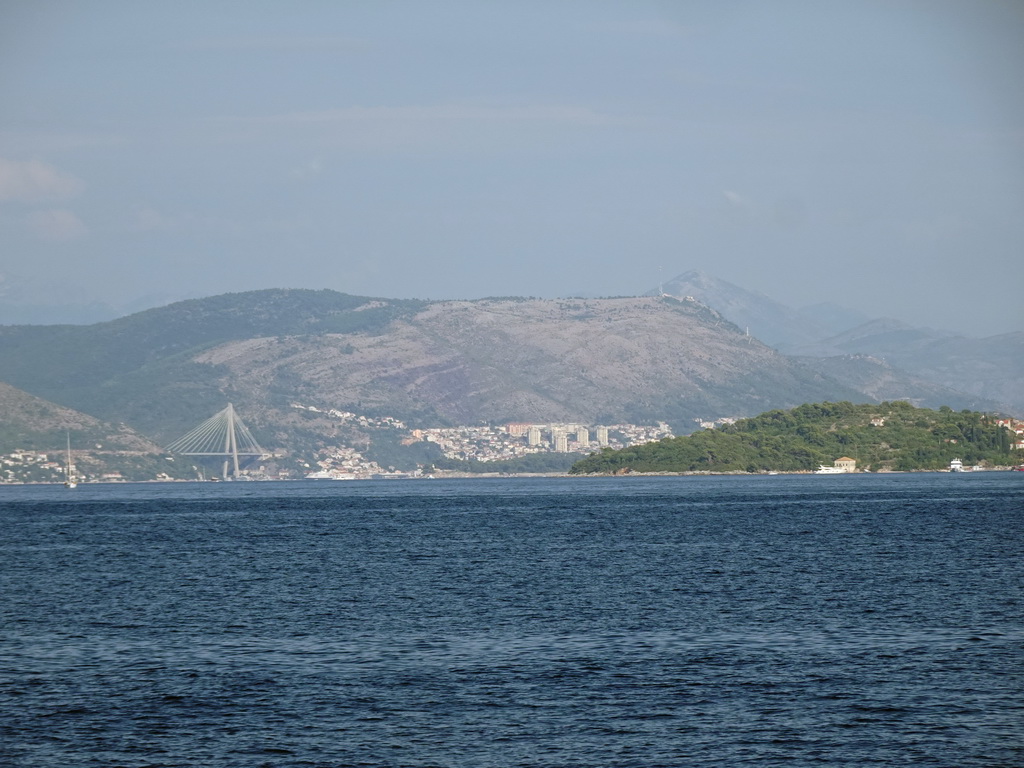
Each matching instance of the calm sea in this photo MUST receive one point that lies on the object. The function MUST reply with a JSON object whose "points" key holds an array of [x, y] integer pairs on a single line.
{"points": [[672, 621]]}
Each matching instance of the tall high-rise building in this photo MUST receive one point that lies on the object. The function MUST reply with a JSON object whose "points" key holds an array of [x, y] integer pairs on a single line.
{"points": [[583, 437], [533, 437], [602, 436], [561, 442]]}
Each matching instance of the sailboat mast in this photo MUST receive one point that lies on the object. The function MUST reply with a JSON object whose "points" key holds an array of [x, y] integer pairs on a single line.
{"points": [[69, 480]]}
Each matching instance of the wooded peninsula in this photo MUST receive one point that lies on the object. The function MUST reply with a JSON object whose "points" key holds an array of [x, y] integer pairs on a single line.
{"points": [[891, 436]]}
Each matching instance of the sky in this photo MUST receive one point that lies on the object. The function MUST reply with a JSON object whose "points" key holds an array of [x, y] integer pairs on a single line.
{"points": [[865, 153]]}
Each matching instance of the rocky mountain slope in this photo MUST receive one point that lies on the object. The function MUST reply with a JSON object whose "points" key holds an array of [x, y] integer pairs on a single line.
{"points": [[594, 361], [33, 425]]}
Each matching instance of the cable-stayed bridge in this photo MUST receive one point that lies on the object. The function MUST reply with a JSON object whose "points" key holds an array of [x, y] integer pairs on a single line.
{"points": [[223, 435]]}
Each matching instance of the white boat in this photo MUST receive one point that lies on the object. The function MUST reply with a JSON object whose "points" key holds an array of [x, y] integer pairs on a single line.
{"points": [[956, 466], [69, 479], [823, 470]]}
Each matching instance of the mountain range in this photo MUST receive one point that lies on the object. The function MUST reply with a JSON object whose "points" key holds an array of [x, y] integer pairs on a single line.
{"points": [[679, 356], [457, 362], [770, 321], [882, 357]]}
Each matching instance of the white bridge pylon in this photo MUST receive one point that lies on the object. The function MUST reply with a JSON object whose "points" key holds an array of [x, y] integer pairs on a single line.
{"points": [[223, 435]]}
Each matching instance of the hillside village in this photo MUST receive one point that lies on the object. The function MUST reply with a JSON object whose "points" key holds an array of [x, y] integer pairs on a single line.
{"points": [[476, 443]]}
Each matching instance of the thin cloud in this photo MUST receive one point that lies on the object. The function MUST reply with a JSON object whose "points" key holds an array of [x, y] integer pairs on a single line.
{"points": [[452, 113], [57, 225], [32, 181], [43, 142], [150, 219], [455, 126], [651, 27], [308, 169], [299, 44]]}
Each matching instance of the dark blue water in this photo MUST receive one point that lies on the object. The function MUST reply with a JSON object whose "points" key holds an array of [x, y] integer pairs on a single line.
{"points": [[693, 621]]}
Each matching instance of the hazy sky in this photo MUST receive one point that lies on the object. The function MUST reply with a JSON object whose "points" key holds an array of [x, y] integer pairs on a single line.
{"points": [[866, 153]]}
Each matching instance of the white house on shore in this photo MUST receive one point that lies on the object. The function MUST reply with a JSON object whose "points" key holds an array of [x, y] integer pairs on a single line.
{"points": [[840, 466]]}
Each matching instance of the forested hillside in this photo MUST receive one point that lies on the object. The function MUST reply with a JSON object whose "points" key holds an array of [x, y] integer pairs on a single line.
{"points": [[889, 436]]}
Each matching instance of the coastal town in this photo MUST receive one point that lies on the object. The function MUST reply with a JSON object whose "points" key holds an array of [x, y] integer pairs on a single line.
{"points": [[478, 445], [352, 460], [485, 444]]}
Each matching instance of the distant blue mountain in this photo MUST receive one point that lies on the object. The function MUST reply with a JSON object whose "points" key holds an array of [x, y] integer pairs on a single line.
{"points": [[990, 369], [770, 321]]}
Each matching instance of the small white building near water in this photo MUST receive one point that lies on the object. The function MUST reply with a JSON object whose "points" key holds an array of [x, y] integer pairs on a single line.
{"points": [[840, 466]]}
